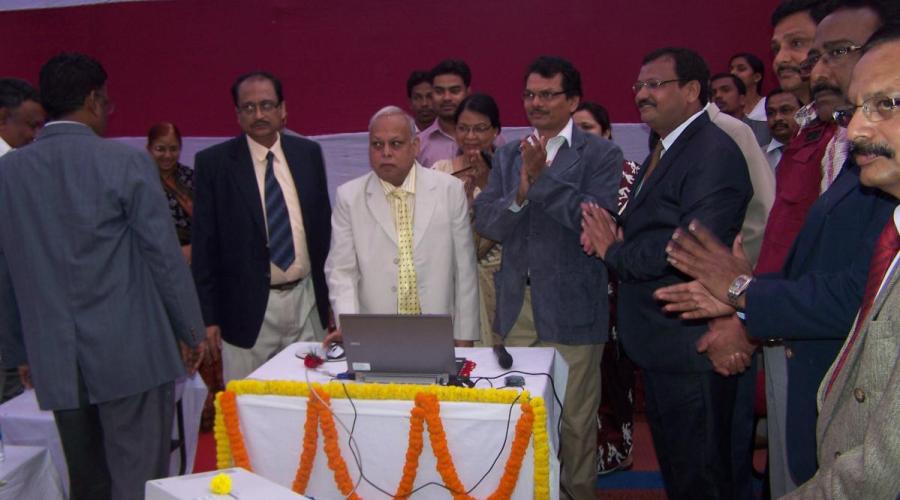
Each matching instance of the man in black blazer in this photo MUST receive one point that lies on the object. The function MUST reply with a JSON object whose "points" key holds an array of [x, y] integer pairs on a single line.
{"points": [[695, 172], [261, 231]]}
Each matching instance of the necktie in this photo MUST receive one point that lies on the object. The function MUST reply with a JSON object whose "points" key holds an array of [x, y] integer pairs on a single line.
{"points": [[407, 287], [654, 161], [885, 250], [281, 239]]}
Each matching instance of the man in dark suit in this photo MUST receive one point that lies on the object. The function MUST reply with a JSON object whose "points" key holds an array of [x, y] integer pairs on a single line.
{"points": [[810, 302], [549, 293], [260, 233], [93, 281], [695, 172]]}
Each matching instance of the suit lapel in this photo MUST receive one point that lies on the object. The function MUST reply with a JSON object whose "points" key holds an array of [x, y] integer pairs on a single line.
{"points": [[662, 168], [568, 156], [244, 176], [379, 207], [424, 203], [297, 160]]}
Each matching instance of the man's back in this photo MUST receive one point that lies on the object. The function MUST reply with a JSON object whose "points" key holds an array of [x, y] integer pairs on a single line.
{"points": [[93, 258]]}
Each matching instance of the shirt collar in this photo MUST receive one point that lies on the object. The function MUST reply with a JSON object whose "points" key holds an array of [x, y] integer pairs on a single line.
{"points": [[773, 145], [670, 139], [565, 133], [258, 152], [435, 128], [409, 184], [4, 147]]}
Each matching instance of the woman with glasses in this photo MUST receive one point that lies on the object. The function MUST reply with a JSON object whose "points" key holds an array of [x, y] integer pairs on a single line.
{"points": [[477, 126], [164, 145]]}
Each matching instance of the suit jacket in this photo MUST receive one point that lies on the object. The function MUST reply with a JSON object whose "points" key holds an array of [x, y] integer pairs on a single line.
{"points": [[362, 263], [811, 303], [88, 246], [703, 176], [541, 240], [856, 432], [761, 177], [230, 251]]}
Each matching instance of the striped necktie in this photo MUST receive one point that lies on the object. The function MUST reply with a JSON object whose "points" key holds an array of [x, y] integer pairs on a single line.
{"points": [[281, 239], [407, 286]]}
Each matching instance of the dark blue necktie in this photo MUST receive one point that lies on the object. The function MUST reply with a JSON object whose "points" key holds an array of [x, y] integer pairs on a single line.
{"points": [[281, 239]]}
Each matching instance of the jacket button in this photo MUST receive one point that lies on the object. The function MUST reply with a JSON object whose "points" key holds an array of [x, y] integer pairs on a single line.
{"points": [[396, 261], [859, 394], [837, 454], [394, 289], [788, 353]]}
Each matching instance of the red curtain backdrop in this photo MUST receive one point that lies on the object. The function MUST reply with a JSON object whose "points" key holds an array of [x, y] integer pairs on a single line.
{"points": [[342, 60]]}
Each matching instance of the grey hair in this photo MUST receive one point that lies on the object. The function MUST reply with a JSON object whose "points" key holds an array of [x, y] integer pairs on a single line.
{"points": [[394, 110]]}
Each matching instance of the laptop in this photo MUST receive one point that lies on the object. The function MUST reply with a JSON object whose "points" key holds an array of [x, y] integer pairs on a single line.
{"points": [[392, 348]]}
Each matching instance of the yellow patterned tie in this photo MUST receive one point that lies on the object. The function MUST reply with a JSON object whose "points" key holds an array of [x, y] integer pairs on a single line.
{"points": [[407, 288]]}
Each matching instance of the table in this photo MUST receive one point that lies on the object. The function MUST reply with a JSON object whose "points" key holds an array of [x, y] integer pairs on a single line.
{"points": [[24, 423], [244, 485], [27, 473], [272, 427]]}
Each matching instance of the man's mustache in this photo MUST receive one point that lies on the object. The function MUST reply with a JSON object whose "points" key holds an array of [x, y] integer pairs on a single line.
{"points": [[788, 67], [647, 102], [826, 87], [261, 122], [867, 148]]}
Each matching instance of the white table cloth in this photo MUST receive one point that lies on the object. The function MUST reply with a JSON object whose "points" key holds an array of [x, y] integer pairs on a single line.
{"points": [[24, 423], [244, 486], [272, 427], [27, 473]]}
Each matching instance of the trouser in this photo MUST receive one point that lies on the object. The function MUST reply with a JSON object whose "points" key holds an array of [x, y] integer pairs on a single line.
{"points": [[10, 384], [113, 448], [742, 432], [291, 316], [780, 480], [578, 442], [690, 421]]}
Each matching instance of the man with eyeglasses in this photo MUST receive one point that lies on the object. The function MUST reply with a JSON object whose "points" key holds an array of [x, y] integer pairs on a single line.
{"points": [[549, 292], [810, 303], [402, 240], [260, 233], [858, 448], [696, 172]]}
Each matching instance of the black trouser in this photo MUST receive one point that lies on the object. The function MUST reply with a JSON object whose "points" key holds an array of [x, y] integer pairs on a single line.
{"points": [[690, 420]]}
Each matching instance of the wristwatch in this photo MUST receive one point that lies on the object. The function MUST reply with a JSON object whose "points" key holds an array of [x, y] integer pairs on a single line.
{"points": [[738, 287]]}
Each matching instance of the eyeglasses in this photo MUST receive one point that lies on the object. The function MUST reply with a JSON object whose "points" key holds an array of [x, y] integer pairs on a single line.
{"points": [[250, 108], [651, 85], [478, 129], [875, 109], [544, 95], [830, 56]]}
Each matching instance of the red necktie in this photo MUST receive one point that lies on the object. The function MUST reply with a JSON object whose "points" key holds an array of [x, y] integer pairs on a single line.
{"points": [[885, 250]]}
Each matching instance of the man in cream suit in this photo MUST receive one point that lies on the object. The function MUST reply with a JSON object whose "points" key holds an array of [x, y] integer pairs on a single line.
{"points": [[401, 240], [858, 445]]}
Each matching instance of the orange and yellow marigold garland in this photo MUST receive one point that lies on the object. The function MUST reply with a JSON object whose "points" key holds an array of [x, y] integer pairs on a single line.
{"points": [[533, 411]]}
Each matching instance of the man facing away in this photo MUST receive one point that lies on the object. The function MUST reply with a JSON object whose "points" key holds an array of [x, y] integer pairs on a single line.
{"points": [[103, 296], [260, 232]]}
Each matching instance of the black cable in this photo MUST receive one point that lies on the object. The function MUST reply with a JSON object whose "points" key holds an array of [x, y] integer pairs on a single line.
{"points": [[357, 454], [552, 387]]}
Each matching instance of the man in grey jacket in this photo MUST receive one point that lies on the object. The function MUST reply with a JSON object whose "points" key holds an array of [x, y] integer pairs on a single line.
{"points": [[94, 292]]}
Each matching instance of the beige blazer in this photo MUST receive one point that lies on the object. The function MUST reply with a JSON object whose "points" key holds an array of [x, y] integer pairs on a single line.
{"points": [[361, 267], [858, 429], [761, 177]]}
